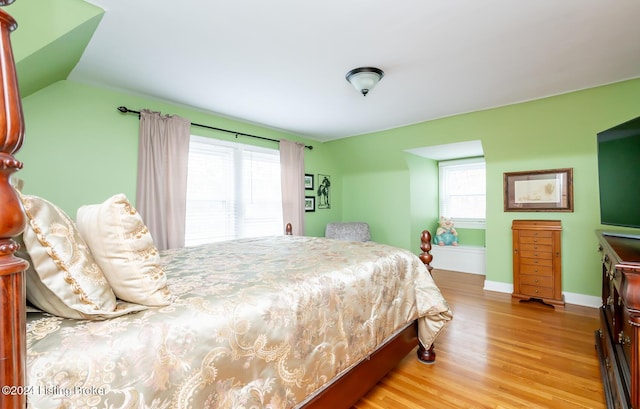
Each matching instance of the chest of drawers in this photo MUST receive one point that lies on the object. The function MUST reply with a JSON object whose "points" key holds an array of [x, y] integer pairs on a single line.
{"points": [[618, 338], [537, 261]]}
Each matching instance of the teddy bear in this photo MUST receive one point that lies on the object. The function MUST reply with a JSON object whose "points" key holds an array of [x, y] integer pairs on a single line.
{"points": [[446, 235]]}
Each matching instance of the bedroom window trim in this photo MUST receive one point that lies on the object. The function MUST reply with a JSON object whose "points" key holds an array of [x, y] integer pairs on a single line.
{"points": [[449, 195], [241, 198]]}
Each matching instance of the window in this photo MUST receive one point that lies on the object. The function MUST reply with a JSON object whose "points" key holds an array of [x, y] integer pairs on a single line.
{"points": [[233, 191], [463, 187]]}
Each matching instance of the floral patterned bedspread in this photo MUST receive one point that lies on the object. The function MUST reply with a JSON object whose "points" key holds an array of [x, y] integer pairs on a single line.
{"points": [[254, 323]]}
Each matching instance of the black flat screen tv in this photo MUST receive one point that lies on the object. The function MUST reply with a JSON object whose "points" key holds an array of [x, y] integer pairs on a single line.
{"points": [[619, 174]]}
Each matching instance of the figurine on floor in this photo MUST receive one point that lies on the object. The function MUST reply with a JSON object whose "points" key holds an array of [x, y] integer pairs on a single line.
{"points": [[446, 235]]}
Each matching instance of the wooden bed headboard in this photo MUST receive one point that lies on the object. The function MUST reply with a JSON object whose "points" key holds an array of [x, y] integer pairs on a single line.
{"points": [[12, 222]]}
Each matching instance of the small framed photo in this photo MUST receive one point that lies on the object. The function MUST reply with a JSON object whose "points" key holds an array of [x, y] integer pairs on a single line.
{"points": [[309, 203], [539, 191], [308, 181]]}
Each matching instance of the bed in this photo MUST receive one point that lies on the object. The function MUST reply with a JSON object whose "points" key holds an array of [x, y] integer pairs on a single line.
{"points": [[279, 322]]}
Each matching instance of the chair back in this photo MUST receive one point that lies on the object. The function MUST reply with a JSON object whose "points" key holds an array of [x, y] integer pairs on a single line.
{"points": [[348, 231]]}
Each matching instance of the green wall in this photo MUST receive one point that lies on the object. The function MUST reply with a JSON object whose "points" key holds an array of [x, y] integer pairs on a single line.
{"points": [[469, 237], [50, 38], [41, 22], [423, 203], [80, 149], [555, 132], [381, 199]]}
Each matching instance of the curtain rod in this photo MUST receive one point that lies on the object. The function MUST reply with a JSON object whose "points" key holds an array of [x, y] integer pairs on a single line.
{"points": [[125, 110]]}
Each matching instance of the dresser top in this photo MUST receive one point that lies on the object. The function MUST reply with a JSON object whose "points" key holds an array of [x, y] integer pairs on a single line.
{"points": [[536, 224], [626, 249]]}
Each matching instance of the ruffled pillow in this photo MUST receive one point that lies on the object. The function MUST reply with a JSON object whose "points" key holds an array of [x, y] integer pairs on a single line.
{"points": [[63, 279], [123, 248]]}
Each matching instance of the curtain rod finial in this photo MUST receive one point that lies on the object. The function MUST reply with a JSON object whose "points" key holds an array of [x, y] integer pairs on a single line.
{"points": [[123, 109]]}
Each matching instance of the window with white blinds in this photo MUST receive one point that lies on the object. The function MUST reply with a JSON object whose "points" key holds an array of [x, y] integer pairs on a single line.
{"points": [[233, 191], [463, 186]]}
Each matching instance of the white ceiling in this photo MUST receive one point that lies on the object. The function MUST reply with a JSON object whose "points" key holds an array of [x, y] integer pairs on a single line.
{"points": [[282, 63]]}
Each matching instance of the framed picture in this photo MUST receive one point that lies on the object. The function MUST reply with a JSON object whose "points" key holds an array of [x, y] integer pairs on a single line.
{"points": [[308, 181], [324, 190], [539, 191], [309, 203]]}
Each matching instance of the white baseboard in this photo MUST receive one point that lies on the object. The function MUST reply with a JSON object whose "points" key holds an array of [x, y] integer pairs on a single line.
{"points": [[498, 286], [569, 298], [584, 300], [466, 259]]}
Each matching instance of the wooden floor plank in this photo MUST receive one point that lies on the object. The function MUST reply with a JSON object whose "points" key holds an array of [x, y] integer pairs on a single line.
{"points": [[495, 354]]}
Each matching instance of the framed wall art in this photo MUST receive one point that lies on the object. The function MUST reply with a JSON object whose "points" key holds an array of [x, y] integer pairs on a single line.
{"points": [[324, 191], [309, 203], [539, 191], [308, 181]]}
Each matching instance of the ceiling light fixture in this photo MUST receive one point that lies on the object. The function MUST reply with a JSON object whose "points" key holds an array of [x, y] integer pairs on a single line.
{"points": [[364, 78]]}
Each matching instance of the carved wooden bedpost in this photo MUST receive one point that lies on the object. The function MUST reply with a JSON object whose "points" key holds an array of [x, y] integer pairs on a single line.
{"points": [[12, 222], [425, 246], [426, 355]]}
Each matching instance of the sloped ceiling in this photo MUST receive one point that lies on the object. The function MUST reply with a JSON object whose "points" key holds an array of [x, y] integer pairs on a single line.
{"points": [[50, 39]]}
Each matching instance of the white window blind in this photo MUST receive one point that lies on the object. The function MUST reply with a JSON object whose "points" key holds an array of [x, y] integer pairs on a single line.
{"points": [[233, 191], [463, 186]]}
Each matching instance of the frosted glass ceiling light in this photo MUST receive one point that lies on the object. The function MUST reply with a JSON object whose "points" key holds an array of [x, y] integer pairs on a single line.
{"points": [[364, 78]]}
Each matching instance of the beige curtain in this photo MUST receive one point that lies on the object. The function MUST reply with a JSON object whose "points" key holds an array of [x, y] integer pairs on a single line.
{"points": [[292, 174], [161, 193]]}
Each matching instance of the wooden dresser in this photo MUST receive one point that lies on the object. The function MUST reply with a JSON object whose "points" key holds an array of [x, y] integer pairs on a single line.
{"points": [[617, 339], [537, 261]]}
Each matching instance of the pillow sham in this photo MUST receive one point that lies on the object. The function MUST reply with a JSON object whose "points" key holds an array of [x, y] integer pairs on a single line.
{"points": [[63, 278], [124, 250]]}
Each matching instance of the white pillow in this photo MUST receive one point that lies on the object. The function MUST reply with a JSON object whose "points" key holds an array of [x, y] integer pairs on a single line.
{"points": [[124, 249], [63, 278]]}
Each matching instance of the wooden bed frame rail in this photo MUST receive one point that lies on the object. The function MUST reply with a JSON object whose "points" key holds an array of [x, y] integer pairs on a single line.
{"points": [[12, 222]]}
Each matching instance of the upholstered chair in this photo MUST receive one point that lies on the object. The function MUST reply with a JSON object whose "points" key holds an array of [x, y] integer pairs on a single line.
{"points": [[348, 231]]}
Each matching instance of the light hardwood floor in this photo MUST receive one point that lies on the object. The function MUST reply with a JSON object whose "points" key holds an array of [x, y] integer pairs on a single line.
{"points": [[495, 354]]}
